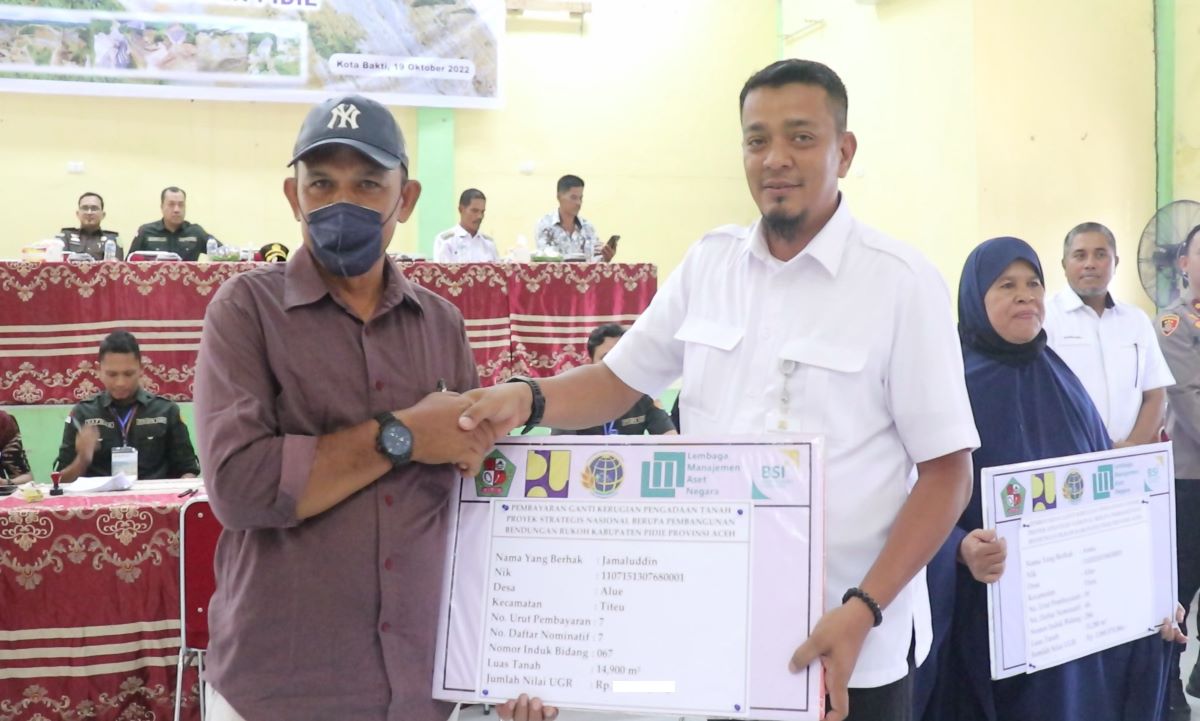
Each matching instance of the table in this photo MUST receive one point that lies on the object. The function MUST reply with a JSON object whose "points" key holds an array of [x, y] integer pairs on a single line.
{"points": [[521, 318], [89, 607]]}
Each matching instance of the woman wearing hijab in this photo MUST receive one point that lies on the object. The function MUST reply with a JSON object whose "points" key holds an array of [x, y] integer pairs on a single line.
{"points": [[1028, 406]]}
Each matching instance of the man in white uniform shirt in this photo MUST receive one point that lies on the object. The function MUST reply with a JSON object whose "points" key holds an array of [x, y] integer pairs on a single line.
{"points": [[757, 321], [1110, 346], [464, 243]]}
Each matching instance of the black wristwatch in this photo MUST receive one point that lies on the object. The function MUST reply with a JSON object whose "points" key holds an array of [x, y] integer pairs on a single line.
{"points": [[395, 440], [537, 406]]}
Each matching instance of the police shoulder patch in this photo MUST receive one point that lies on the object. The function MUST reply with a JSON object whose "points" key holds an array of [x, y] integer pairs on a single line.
{"points": [[1168, 323]]}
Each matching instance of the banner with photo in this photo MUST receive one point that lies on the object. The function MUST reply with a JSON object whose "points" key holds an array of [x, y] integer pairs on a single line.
{"points": [[438, 53]]}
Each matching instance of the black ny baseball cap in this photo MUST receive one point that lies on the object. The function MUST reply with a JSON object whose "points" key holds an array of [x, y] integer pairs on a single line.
{"points": [[359, 122]]}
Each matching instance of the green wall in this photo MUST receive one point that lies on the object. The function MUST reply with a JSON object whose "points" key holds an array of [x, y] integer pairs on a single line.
{"points": [[435, 170]]}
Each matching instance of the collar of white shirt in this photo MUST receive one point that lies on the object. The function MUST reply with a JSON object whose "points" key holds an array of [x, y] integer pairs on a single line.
{"points": [[1070, 301], [827, 247], [554, 217], [461, 232]]}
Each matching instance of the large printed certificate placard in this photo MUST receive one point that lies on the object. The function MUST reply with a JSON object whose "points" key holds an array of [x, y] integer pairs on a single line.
{"points": [[1091, 554], [434, 53], [661, 575]]}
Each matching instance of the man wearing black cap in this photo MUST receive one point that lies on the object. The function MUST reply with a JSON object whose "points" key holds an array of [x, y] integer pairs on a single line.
{"points": [[331, 458]]}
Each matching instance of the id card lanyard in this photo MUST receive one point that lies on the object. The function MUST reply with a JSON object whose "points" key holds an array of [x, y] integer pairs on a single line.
{"points": [[125, 423]]}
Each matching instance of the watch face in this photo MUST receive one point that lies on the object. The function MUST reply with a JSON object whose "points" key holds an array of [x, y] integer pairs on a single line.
{"points": [[396, 440]]}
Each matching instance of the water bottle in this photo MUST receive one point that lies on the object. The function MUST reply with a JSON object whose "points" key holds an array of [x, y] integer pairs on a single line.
{"points": [[54, 249], [211, 250], [110, 249], [521, 252]]}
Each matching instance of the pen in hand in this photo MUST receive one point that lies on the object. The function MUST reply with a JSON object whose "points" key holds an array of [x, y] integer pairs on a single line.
{"points": [[441, 385]]}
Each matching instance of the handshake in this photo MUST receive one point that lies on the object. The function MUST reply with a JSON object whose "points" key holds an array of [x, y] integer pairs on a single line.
{"points": [[462, 428]]}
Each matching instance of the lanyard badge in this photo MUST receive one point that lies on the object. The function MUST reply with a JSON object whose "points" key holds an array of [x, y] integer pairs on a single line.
{"points": [[125, 422], [125, 458]]}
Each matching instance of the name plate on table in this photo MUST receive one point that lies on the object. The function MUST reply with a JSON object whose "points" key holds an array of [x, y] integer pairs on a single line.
{"points": [[672, 575], [1091, 554]]}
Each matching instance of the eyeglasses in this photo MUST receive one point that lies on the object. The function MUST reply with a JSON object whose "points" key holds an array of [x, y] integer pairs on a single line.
{"points": [[90, 208]]}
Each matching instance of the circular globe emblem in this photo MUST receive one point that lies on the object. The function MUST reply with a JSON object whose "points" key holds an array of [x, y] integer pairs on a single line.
{"points": [[1073, 486], [603, 473]]}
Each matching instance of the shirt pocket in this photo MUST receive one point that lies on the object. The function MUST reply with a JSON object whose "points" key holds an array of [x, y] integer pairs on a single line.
{"points": [[708, 361], [1128, 366], [152, 447], [822, 382], [1078, 353]]}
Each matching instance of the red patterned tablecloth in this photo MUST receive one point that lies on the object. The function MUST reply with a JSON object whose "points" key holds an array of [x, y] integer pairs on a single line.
{"points": [[521, 318], [89, 608], [553, 307]]}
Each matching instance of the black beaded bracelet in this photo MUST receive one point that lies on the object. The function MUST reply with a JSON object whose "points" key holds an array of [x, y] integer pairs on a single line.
{"points": [[865, 598], [536, 407]]}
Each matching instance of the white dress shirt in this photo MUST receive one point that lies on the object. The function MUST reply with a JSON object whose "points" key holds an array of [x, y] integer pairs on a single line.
{"points": [[456, 245], [864, 323], [1115, 355]]}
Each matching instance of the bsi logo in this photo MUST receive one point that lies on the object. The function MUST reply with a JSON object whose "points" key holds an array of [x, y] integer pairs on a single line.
{"points": [[773, 473]]}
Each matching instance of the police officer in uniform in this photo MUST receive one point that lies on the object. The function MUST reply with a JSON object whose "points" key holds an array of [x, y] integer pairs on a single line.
{"points": [[173, 233], [644, 417], [1179, 339], [89, 237], [125, 414], [273, 253]]}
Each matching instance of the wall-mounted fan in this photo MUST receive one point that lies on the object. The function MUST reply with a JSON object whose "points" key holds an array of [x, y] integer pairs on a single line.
{"points": [[1159, 250]]}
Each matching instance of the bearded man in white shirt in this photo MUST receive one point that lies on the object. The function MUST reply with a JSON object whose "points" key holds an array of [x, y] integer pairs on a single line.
{"points": [[748, 320]]}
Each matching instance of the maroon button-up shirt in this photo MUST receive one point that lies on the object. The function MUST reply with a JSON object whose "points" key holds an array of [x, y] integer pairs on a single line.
{"points": [[333, 617]]}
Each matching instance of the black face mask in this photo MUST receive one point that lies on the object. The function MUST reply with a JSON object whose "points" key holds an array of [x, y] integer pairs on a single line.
{"points": [[347, 238]]}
